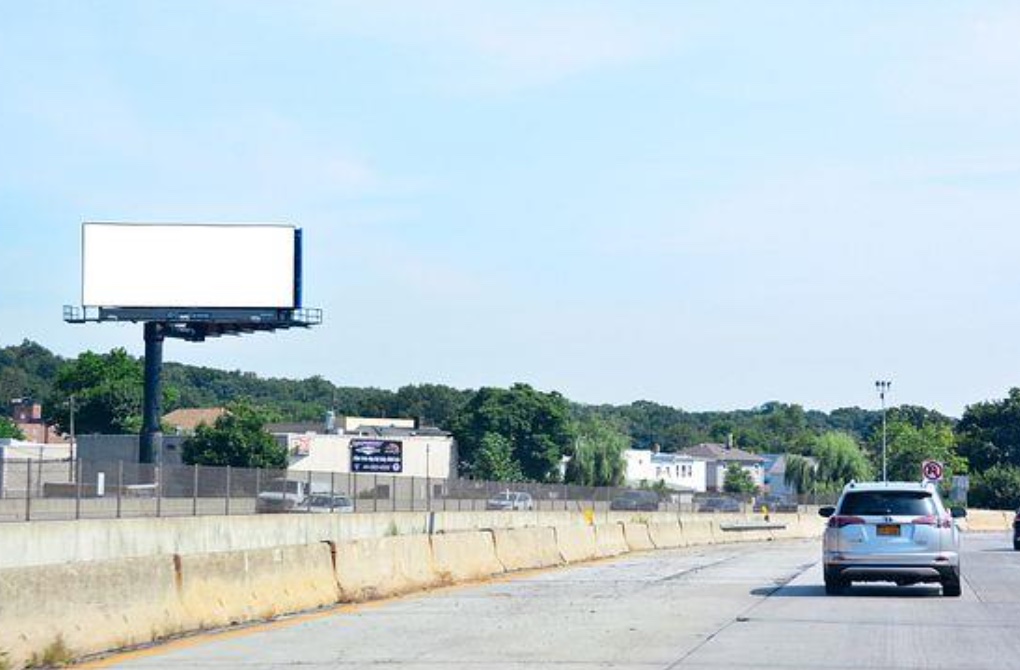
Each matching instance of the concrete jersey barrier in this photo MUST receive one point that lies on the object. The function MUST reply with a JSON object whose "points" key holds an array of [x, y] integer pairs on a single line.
{"points": [[666, 535], [698, 530], [576, 543], [637, 537], [237, 586], [388, 566], [92, 606], [87, 607], [609, 540], [987, 521], [461, 557], [526, 548]]}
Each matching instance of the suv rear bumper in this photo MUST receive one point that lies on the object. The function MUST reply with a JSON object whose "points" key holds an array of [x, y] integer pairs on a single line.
{"points": [[892, 572], [926, 559]]}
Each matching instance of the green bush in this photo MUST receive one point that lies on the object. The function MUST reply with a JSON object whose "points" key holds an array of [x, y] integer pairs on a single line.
{"points": [[998, 487]]}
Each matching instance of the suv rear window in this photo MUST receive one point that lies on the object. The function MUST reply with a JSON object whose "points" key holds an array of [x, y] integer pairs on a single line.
{"points": [[888, 503]]}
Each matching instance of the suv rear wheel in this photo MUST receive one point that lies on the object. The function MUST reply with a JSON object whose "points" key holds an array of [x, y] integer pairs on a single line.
{"points": [[951, 586], [834, 584]]}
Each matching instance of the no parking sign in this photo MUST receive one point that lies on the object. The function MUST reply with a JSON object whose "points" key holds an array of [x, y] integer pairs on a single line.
{"points": [[932, 471]]}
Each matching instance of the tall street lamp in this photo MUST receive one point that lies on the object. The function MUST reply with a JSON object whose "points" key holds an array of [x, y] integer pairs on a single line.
{"points": [[883, 387]]}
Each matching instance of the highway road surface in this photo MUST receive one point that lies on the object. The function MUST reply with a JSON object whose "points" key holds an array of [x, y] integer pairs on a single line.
{"points": [[736, 606]]}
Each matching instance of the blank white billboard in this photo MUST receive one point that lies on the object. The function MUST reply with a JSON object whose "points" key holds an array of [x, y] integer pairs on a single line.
{"points": [[178, 265]]}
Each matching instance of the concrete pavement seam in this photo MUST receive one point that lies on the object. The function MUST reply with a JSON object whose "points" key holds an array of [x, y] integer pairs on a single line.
{"points": [[741, 617]]}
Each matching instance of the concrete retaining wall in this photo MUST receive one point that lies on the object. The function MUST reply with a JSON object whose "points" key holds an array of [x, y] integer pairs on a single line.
{"points": [[49, 542]]}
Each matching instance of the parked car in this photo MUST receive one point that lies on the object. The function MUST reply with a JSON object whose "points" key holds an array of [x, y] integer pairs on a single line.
{"points": [[324, 503], [647, 501], [720, 504], [281, 495], [511, 500], [891, 532], [775, 503]]}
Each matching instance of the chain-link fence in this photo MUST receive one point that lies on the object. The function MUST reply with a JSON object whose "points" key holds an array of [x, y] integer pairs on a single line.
{"points": [[42, 490]]}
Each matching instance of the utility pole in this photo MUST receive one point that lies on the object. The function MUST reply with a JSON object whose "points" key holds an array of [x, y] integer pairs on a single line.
{"points": [[883, 387], [74, 443]]}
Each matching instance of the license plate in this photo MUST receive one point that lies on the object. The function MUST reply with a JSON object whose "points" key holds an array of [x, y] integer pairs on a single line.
{"points": [[889, 530]]}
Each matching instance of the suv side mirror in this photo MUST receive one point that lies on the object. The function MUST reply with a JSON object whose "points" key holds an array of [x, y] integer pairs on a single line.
{"points": [[958, 512], [826, 511]]}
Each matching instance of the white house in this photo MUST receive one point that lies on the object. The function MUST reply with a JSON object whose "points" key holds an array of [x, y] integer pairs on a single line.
{"points": [[720, 457], [775, 475], [676, 471]]}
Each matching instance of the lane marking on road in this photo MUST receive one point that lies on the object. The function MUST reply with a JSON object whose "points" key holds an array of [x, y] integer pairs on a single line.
{"points": [[741, 617]]}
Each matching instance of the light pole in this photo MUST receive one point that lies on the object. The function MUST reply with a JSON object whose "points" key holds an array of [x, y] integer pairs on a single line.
{"points": [[883, 387]]}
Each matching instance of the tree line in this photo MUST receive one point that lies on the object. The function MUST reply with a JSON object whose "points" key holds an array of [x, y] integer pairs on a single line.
{"points": [[520, 433]]}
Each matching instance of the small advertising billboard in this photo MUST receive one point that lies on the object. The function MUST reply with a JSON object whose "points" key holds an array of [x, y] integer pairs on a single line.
{"points": [[378, 456]]}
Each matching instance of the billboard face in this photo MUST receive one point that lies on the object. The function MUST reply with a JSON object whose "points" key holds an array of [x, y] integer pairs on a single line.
{"points": [[377, 456], [175, 265]]}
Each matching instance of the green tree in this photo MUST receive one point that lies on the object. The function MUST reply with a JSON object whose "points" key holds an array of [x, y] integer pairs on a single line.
{"points": [[916, 416], [909, 444], [432, 404], [786, 424], [108, 393], [9, 429], [495, 460], [998, 487], [738, 480], [853, 420], [989, 432], [840, 460], [27, 370], [800, 473], [597, 456], [537, 425], [237, 438]]}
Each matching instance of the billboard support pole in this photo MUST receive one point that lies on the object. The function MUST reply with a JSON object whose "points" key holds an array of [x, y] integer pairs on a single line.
{"points": [[151, 441]]}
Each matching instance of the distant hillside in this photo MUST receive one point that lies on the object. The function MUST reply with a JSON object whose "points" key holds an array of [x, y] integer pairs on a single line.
{"points": [[29, 370]]}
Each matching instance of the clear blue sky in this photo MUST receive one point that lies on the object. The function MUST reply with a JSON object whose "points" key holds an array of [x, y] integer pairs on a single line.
{"points": [[707, 204]]}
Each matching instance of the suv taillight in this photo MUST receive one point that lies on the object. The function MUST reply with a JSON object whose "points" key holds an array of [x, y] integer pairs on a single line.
{"points": [[840, 521], [932, 520]]}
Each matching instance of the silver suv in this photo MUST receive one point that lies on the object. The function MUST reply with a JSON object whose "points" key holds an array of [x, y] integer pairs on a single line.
{"points": [[891, 532]]}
